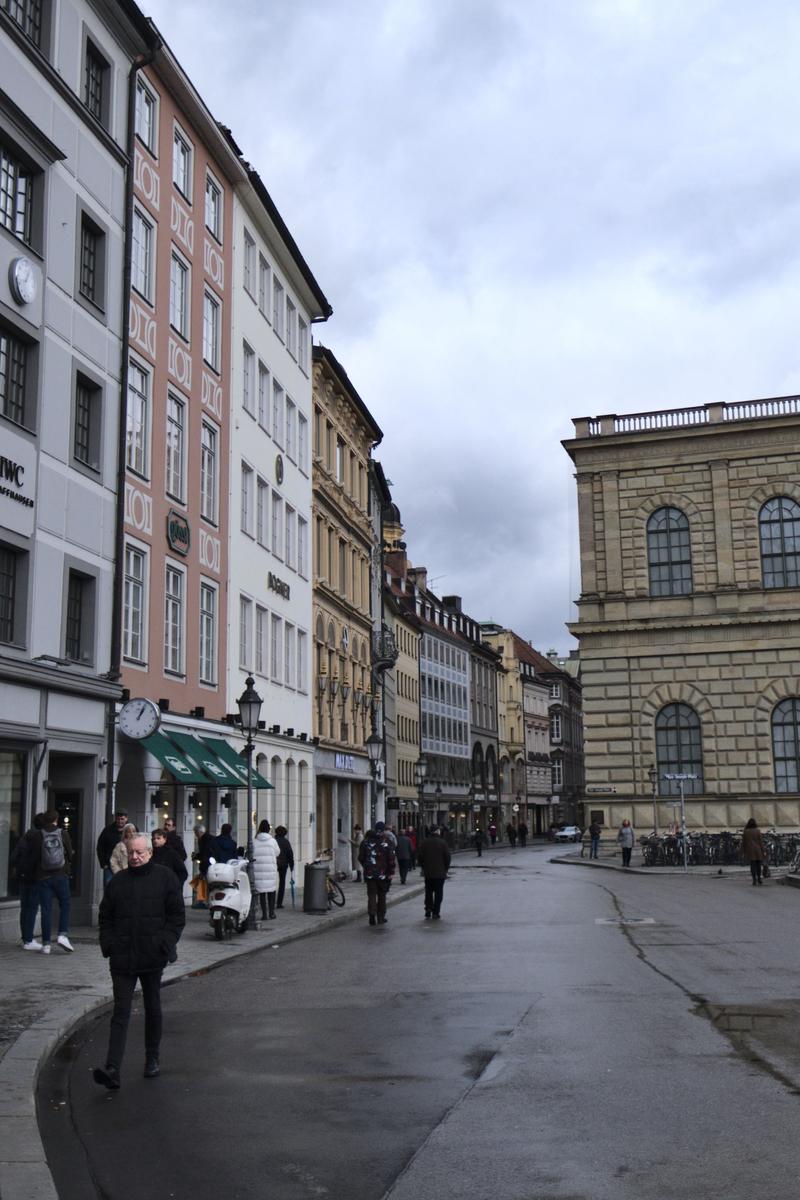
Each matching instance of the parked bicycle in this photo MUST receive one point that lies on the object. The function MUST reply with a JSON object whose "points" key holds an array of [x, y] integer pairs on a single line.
{"points": [[335, 895]]}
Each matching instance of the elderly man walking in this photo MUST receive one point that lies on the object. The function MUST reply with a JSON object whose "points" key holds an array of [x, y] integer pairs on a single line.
{"points": [[434, 859], [141, 919]]}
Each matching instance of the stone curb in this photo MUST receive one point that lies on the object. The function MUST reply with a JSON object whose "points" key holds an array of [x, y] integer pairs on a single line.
{"points": [[24, 1172], [710, 872]]}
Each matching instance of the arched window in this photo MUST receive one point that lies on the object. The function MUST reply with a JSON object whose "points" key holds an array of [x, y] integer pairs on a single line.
{"points": [[786, 745], [779, 530], [669, 553], [491, 769], [679, 749], [478, 769]]}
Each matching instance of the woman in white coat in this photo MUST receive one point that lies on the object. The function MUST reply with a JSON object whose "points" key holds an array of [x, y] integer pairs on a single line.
{"points": [[265, 869]]}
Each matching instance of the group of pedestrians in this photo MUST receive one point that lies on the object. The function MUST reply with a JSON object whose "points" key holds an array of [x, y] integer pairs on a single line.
{"points": [[41, 861], [380, 851]]}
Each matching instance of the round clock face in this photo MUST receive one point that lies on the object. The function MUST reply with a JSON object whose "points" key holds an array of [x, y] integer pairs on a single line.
{"points": [[139, 718], [22, 280]]}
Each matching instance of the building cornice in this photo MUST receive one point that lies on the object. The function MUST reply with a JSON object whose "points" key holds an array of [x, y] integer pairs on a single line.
{"points": [[57, 679]]}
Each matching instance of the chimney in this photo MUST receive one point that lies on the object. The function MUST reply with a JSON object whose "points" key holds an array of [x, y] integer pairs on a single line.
{"points": [[419, 577], [452, 602]]}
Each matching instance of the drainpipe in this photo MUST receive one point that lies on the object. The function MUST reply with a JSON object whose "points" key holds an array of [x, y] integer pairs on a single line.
{"points": [[115, 669]]}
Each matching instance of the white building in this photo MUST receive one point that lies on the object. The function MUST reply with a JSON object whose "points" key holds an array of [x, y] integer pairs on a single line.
{"points": [[64, 132], [275, 301]]}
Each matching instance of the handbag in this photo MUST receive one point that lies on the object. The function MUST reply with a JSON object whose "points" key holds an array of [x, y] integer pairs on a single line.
{"points": [[765, 870]]}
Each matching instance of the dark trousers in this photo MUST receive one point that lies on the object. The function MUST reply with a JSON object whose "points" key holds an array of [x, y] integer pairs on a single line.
{"points": [[755, 870], [267, 900], [281, 884], [434, 890], [594, 846], [28, 908], [124, 987], [626, 855], [523, 838], [403, 866], [377, 890], [50, 886]]}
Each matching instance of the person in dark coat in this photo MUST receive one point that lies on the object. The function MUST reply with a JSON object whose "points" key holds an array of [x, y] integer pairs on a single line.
{"points": [[522, 832], [511, 834], [377, 858], [226, 846], [52, 875], [141, 919], [22, 865], [478, 839], [285, 861], [433, 857], [165, 856], [404, 854], [754, 850], [108, 840], [493, 833], [174, 840]]}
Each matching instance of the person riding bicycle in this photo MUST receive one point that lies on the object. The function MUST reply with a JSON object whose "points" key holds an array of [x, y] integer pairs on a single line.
{"points": [[377, 858]]}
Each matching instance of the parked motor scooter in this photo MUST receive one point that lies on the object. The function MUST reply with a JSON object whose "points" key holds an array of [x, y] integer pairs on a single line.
{"points": [[228, 896]]}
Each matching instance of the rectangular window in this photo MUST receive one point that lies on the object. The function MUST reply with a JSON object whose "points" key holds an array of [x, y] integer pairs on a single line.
{"points": [[11, 617], [138, 419], [208, 473], [176, 424], [264, 277], [291, 429], [302, 442], [291, 328], [96, 83], [27, 14], [245, 633], [262, 513], [133, 608], [278, 307], [79, 629], [263, 396], [302, 547], [179, 296], [16, 195], [289, 652], [208, 633], [278, 413], [247, 500], [277, 524], [342, 581], [249, 380], [276, 647], [173, 620], [302, 660], [13, 376], [291, 535], [302, 343], [87, 423], [91, 266], [339, 460], [249, 265], [262, 642], [182, 164], [146, 115], [142, 255], [213, 208], [211, 330]]}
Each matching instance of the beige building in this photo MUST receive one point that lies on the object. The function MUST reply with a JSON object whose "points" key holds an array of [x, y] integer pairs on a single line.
{"points": [[689, 618], [510, 724], [344, 434]]}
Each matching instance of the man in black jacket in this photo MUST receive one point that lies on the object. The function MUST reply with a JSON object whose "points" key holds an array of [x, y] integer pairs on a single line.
{"points": [[141, 918], [108, 840], [433, 857]]}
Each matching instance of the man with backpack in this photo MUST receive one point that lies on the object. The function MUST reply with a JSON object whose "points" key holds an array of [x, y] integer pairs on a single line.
{"points": [[377, 858], [55, 855]]}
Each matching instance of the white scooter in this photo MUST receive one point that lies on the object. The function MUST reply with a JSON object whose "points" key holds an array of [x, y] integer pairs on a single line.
{"points": [[228, 896]]}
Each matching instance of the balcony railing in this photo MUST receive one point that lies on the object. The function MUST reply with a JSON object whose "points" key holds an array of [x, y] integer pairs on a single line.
{"points": [[681, 418]]}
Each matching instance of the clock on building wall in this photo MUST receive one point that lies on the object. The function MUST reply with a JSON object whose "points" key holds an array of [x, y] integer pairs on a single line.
{"points": [[139, 718], [22, 280]]}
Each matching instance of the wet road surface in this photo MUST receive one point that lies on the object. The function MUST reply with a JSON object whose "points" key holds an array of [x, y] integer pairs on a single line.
{"points": [[562, 1033]]}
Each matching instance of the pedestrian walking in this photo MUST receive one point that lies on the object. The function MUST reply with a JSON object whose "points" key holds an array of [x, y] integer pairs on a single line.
{"points": [[119, 855], [411, 834], [165, 856], [493, 833], [206, 850], [511, 833], [626, 838], [595, 829], [53, 855], [22, 866], [174, 840], [377, 858], [141, 919], [522, 833], [355, 846], [754, 850], [478, 840], [107, 841], [403, 855], [226, 846], [434, 860], [265, 869], [285, 861]]}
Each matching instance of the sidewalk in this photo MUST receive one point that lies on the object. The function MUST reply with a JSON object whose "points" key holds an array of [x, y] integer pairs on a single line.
{"points": [[611, 860], [43, 998]]}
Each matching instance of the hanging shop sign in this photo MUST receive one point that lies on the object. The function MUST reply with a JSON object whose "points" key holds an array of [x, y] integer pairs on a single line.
{"points": [[178, 532]]}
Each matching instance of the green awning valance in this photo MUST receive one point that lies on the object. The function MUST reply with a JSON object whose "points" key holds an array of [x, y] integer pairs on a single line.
{"points": [[235, 763], [211, 766], [169, 755]]}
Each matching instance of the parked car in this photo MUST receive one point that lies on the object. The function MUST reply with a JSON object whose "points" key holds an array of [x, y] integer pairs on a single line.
{"points": [[568, 833]]}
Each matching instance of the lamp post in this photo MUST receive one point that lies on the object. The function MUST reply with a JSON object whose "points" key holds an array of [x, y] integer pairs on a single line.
{"points": [[653, 773], [679, 778], [420, 771], [249, 704], [374, 749]]}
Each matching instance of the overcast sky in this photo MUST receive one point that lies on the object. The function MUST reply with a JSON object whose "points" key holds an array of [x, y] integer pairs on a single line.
{"points": [[521, 212]]}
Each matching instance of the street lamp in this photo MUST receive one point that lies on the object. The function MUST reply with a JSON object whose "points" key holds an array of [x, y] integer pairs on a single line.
{"points": [[374, 750], [420, 771], [680, 778], [249, 704], [653, 774]]}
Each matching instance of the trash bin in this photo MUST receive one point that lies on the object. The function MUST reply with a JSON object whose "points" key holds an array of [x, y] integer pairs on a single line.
{"points": [[315, 893]]}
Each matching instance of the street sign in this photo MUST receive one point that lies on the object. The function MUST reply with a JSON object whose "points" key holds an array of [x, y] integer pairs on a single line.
{"points": [[673, 776], [596, 788]]}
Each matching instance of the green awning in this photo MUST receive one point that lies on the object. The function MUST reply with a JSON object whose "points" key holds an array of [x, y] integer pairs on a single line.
{"points": [[235, 763], [214, 770], [170, 756]]}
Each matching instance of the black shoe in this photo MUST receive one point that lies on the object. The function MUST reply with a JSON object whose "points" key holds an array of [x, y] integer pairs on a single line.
{"points": [[427, 916], [107, 1077], [371, 920], [151, 1067], [436, 917], [381, 920], [273, 916]]}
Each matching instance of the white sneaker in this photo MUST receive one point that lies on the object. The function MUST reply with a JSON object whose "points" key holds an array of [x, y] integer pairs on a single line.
{"points": [[34, 945], [65, 943], [46, 949]]}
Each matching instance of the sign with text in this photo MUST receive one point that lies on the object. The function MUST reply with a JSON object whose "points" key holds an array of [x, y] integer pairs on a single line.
{"points": [[17, 482], [178, 533]]}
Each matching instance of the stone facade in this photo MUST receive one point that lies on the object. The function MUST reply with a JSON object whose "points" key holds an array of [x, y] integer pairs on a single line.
{"points": [[725, 647]]}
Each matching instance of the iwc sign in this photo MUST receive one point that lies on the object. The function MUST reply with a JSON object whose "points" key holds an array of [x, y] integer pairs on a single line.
{"points": [[178, 534], [17, 482]]}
